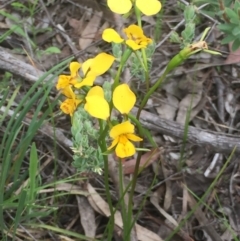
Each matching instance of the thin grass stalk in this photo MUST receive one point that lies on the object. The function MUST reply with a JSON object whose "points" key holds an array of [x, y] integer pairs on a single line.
{"points": [[189, 214]]}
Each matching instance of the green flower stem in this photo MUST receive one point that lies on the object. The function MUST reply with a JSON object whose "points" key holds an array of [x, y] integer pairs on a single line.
{"points": [[173, 63], [139, 21], [134, 182], [146, 68], [103, 146], [122, 193], [124, 59], [138, 124], [144, 65], [138, 16], [109, 200], [150, 92]]}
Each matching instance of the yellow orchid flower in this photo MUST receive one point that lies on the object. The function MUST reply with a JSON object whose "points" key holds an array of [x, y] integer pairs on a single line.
{"points": [[71, 103], [91, 69], [135, 37], [95, 67], [96, 105], [147, 7], [122, 135], [123, 98], [66, 80]]}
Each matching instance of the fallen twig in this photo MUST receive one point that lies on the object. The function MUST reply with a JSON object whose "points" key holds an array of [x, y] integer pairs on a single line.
{"points": [[219, 142]]}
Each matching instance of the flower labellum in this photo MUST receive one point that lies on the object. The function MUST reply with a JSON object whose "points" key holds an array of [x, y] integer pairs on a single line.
{"points": [[122, 135]]}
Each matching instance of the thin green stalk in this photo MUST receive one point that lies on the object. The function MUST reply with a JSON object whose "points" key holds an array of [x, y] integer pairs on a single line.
{"points": [[177, 60], [103, 146], [138, 16], [122, 193], [185, 135], [146, 71], [134, 182], [202, 198], [142, 203], [124, 59], [135, 174], [150, 92], [109, 200]]}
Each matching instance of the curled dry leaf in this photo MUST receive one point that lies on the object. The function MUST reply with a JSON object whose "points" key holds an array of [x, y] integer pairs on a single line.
{"points": [[233, 57], [168, 107], [188, 103], [87, 216], [90, 31]]}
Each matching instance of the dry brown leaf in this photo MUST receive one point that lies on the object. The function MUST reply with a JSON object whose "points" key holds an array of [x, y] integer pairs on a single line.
{"points": [[191, 100], [75, 24], [233, 57], [154, 200], [146, 159], [230, 103], [168, 194], [78, 25], [87, 216], [168, 107], [90, 31], [143, 234], [201, 217]]}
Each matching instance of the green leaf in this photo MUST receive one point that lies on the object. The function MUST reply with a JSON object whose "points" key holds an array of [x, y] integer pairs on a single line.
{"points": [[19, 5], [52, 50], [234, 21], [226, 27], [33, 170], [236, 44], [236, 31], [231, 14], [189, 32], [228, 39], [236, 6], [174, 37], [189, 13]]}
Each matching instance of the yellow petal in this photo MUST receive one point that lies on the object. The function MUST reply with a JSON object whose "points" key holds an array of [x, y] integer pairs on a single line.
{"points": [[120, 129], [144, 41], [110, 35], [120, 6], [123, 98], [68, 92], [114, 143], [63, 81], [74, 68], [101, 63], [133, 45], [68, 107], [86, 66], [96, 105], [149, 7], [133, 137], [133, 32], [125, 150], [96, 91], [88, 81]]}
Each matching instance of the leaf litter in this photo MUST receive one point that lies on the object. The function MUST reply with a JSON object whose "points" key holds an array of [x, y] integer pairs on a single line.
{"points": [[175, 190]]}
